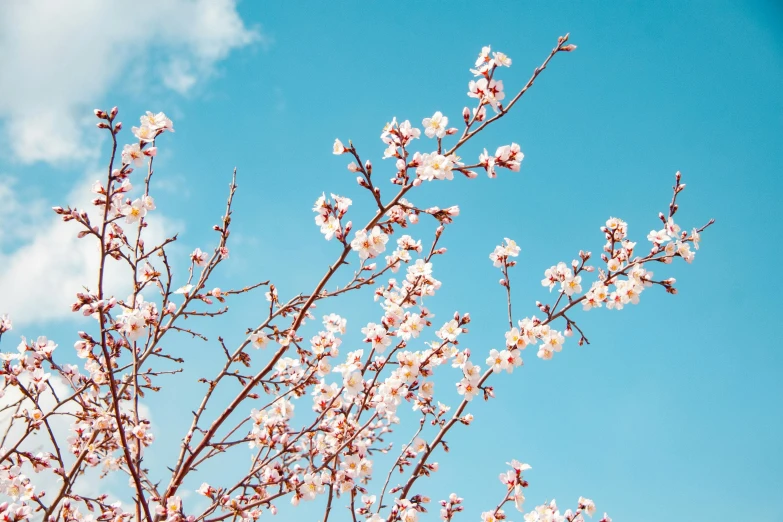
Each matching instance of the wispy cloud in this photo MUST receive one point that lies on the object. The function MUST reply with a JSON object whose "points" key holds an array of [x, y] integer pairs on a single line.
{"points": [[39, 279], [61, 58]]}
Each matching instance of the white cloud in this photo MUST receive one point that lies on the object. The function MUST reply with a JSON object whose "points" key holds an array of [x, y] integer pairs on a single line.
{"points": [[40, 279], [60, 59], [20, 210]]}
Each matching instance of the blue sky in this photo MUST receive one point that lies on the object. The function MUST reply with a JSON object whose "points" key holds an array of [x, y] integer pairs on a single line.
{"points": [[674, 411]]}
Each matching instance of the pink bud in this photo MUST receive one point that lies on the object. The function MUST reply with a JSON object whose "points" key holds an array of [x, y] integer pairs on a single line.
{"points": [[466, 114]]}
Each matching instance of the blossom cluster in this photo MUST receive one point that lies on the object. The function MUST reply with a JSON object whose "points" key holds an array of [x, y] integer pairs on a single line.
{"points": [[369, 244], [314, 415], [329, 216]]}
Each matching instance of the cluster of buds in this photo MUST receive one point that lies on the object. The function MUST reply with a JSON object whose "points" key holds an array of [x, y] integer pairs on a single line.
{"points": [[107, 120], [69, 214], [89, 304], [478, 114], [450, 507]]}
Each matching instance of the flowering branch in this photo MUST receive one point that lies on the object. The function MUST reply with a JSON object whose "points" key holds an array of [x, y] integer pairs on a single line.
{"points": [[331, 453]]}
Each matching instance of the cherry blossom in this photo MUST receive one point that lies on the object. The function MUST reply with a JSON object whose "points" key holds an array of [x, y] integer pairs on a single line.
{"points": [[199, 258], [435, 126], [134, 211], [370, 244], [487, 91], [157, 122], [436, 166]]}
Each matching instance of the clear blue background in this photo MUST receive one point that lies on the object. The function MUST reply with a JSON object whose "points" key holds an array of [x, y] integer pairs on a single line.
{"points": [[674, 411]]}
